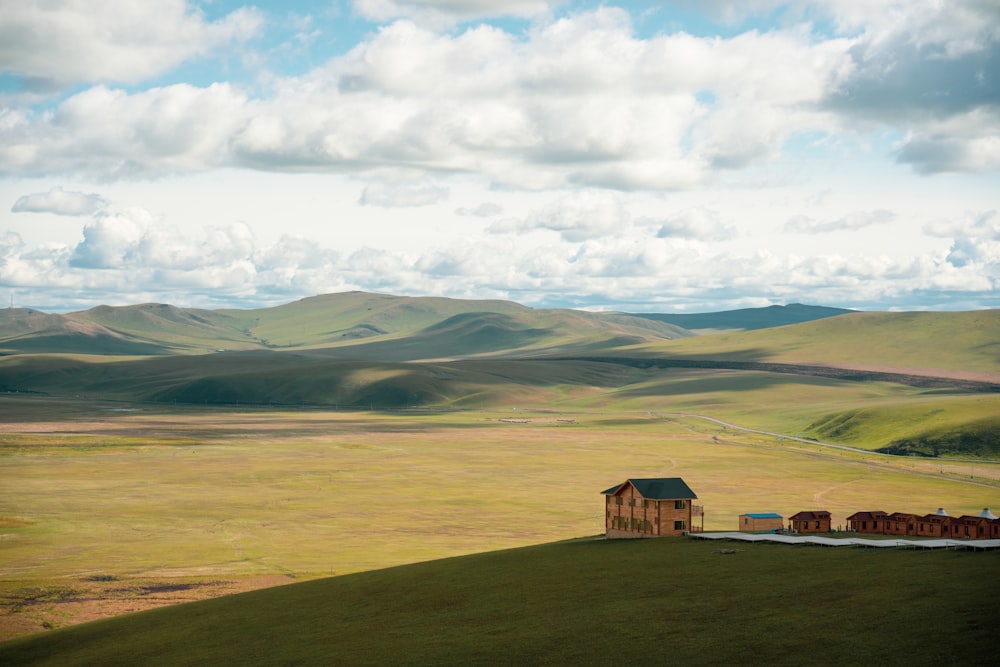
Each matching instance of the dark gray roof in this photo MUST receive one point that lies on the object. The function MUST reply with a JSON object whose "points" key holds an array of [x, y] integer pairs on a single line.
{"points": [[656, 488]]}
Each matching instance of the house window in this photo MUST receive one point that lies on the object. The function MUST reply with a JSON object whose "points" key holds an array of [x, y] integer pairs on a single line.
{"points": [[618, 500], [646, 504], [817, 524], [680, 525], [680, 504]]}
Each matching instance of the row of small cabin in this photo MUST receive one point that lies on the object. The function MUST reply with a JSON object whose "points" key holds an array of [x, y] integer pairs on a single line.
{"points": [[661, 506], [983, 526]]}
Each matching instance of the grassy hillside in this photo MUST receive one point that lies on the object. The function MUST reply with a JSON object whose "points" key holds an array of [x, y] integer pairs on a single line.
{"points": [[667, 601], [933, 342], [355, 324], [924, 426]]}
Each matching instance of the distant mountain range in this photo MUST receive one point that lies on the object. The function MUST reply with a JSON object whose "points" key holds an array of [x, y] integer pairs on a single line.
{"points": [[371, 326]]}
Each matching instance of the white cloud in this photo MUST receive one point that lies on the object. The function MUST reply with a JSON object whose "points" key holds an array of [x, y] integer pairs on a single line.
{"points": [[581, 101], [699, 223], [60, 202], [581, 216], [110, 134], [615, 165], [61, 42]]}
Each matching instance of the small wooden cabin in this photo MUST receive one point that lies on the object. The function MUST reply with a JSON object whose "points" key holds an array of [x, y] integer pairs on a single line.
{"points": [[866, 522], [977, 527], [900, 523], [648, 507], [810, 522], [934, 525], [761, 522]]}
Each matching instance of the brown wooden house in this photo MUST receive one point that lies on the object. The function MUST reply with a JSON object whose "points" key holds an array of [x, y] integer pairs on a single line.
{"points": [[992, 523], [934, 525], [977, 527], [810, 522], [648, 507], [761, 522], [866, 522], [900, 523]]}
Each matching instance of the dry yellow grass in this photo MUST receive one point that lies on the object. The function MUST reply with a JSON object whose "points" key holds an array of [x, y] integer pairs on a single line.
{"points": [[160, 495]]}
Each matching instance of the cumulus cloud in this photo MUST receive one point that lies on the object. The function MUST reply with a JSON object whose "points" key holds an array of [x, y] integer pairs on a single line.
{"points": [[132, 238], [975, 241], [803, 224], [581, 216], [110, 134], [60, 202], [130, 251], [578, 101], [61, 42], [700, 223], [930, 68], [394, 196]]}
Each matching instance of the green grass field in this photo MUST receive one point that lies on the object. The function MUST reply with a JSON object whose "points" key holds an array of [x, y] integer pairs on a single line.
{"points": [[668, 601]]}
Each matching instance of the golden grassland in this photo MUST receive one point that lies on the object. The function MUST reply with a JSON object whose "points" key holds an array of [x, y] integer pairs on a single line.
{"points": [[100, 499]]}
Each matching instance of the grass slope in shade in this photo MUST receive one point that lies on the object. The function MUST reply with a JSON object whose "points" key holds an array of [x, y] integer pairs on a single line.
{"points": [[668, 601]]}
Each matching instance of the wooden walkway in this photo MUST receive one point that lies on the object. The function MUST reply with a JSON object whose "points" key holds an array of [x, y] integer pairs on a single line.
{"points": [[850, 541]]}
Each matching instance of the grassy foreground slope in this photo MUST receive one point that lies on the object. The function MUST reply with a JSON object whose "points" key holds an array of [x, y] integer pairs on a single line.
{"points": [[669, 601]]}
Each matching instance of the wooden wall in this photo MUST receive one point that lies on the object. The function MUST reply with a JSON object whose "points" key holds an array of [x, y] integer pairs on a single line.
{"points": [[635, 516]]}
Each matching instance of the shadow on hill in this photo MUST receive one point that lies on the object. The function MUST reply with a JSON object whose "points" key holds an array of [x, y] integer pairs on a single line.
{"points": [[83, 344], [851, 375]]}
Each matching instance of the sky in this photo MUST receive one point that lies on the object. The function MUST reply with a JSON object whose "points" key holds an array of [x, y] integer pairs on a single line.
{"points": [[634, 156]]}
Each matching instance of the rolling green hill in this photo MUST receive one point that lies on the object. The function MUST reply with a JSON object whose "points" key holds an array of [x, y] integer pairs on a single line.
{"points": [[358, 324], [666, 601], [386, 352], [928, 342]]}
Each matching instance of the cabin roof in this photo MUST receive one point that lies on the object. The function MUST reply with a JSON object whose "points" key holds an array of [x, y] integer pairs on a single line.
{"points": [[810, 516], [762, 515], [655, 488]]}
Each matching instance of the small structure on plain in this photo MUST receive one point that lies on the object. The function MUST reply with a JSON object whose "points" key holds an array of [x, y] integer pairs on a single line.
{"points": [[648, 507], [761, 522]]}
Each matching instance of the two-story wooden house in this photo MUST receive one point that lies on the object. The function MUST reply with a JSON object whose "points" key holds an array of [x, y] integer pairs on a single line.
{"points": [[648, 507]]}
